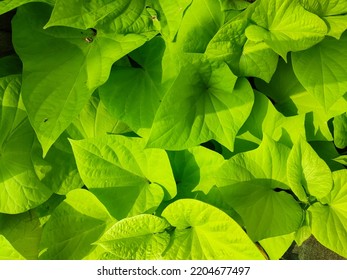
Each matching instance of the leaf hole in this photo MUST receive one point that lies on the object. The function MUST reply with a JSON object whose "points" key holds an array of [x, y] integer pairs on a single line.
{"points": [[45, 120]]}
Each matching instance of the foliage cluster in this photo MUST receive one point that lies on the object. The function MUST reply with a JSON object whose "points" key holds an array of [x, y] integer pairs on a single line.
{"points": [[173, 129]]}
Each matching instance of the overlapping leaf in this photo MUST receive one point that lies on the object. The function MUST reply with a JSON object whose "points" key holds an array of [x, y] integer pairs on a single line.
{"points": [[253, 182], [245, 57], [23, 231], [136, 104], [285, 26], [127, 178], [205, 232], [7, 251], [20, 187], [84, 14], [333, 216], [74, 225], [62, 67], [308, 174], [200, 23], [265, 119], [340, 131], [322, 70], [137, 238], [204, 103], [8, 5], [170, 14]]}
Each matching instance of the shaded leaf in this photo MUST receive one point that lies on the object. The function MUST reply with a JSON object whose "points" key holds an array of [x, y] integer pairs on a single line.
{"points": [[74, 225], [253, 184], [128, 179]]}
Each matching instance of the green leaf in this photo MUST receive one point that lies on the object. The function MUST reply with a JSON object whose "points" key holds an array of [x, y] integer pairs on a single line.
{"points": [[23, 231], [245, 57], [337, 25], [140, 237], [126, 177], [20, 187], [321, 69], [329, 221], [95, 120], [257, 60], [325, 8], [204, 103], [170, 15], [8, 5], [285, 26], [340, 131], [205, 232], [200, 23], [265, 119], [134, 19], [136, 103], [253, 183], [275, 247], [234, 4], [341, 159], [74, 225], [292, 99], [194, 169], [7, 251], [57, 87], [84, 14], [308, 174], [58, 169]]}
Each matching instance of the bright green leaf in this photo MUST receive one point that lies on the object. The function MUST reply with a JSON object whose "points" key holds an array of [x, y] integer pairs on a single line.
{"points": [[74, 225], [337, 25], [325, 8], [136, 103], [340, 131], [137, 238], [253, 183], [308, 174], [194, 169], [257, 60], [84, 14], [234, 4], [7, 251], [285, 26], [329, 221], [204, 103], [265, 119], [275, 247], [134, 19], [341, 159], [292, 99], [200, 23], [57, 87], [170, 15], [8, 5], [20, 187], [94, 121], [127, 178], [322, 70], [205, 232], [245, 57]]}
